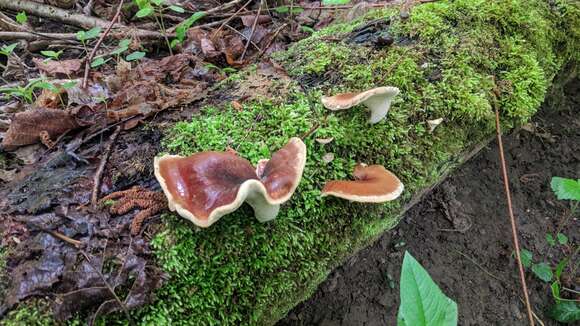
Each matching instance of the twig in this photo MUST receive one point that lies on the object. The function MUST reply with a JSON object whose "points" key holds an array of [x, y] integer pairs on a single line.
{"points": [[119, 302], [7, 24], [227, 20], [244, 36], [101, 168], [271, 40], [99, 41], [30, 36], [62, 237], [495, 96], [480, 267], [222, 7], [253, 30], [310, 131]]}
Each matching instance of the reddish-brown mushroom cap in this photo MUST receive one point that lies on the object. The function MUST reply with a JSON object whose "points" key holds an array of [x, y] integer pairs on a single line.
{"points": [[205, 186], [377, 100], [372, 184]]}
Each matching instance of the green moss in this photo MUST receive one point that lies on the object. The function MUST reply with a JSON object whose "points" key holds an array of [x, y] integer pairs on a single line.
{"points": [[32, 313], [242, 272]]}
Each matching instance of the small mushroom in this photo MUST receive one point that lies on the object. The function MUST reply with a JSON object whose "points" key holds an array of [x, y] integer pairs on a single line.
{"points": [[377, 100], [433, 124], [372, 184], [205, 186]]}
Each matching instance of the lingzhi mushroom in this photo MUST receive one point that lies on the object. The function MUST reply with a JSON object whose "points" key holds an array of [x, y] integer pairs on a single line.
{"points": [[377, 100], [205, 186]]}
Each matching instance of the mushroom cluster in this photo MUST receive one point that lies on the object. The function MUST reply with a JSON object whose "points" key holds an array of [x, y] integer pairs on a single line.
{"points": [[205, 186]]}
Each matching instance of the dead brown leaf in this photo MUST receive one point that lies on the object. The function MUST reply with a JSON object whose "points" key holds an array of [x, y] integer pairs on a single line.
{"points": [[26, 126], [58, 67]]}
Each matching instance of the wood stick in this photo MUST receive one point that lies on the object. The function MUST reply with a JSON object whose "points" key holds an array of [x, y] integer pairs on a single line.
{"points": [[29, 36], [101, 168], [101, 38], [253, 30]]}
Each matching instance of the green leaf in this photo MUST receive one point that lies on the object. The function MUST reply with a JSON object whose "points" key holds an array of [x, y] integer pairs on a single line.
{"points": [[51, 54], [562, 238], [286, 9], [98, 62], [334, 2], [542, 271], [158, 2], [177, 9], [307, 29], [46, 85], [135, 56], [144, 12], [186, 24], [555, 290], [69, 84], [560, 267], [526, 257], [565, 188], [565, 311], [550, 239], [93, 33], [142, 3], [422, 302], [8, 49], [21, 18], [81, 35]]}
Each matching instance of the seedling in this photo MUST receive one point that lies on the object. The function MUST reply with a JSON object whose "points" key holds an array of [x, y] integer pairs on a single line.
{"points": [[51, 54], [564, 310], [8, 49], [156, 8], [21, 18], [27, 92]]}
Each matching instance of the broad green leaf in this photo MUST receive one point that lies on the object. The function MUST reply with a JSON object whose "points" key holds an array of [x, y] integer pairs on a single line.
{"points": [[307, 29], [121, 47], [81, 35], [542, 271], [177, 9], [550, 239], [142, 3], [334, 2], [562, 238], [98, 62], [144, 12], [422, 302], [21, 18], [565, 188], [135, 56], [8, 49], [526, 257], [565, 312], [158, 2]]}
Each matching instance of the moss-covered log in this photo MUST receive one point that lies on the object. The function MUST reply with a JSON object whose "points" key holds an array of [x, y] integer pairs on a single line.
{"points": [[446, 58]]}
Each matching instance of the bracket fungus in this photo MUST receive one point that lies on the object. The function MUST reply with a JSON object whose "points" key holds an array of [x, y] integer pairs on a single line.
{"points": [[205, 186], [372, 184], [377, 100]]}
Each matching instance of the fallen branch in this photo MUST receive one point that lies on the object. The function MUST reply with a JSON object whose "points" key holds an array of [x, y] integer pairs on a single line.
{"points": [[495, 96], [70, 18], [46, 11], [29, 36], [99, 41], [253, 30]]}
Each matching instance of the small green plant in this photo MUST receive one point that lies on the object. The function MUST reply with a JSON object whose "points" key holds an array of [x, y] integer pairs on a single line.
{"points": [[135, 56], [564, 310], [8, 49], [84, 36], [21, 18], [422, 302], [104, 58], [182, 28], [27, 92], [51, 54], [156, 8]]}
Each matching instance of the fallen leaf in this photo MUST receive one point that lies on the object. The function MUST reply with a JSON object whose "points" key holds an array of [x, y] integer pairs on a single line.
{"points": [[26, 126], [236, 105], [328, 157], [248, 20], [324, 141], [433, 124], [60, 67]]}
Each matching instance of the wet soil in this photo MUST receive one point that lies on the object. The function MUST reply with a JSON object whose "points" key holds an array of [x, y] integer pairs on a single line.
{"points": [[461, 234]]}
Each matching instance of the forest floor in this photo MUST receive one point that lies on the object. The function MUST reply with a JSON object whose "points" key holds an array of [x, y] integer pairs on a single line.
{"points": [[473, 266]]}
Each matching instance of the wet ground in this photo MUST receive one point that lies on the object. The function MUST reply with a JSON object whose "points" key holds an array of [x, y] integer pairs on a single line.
{"points": [[473, 265]]}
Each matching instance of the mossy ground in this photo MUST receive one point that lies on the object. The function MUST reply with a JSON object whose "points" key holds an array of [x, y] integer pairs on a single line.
{"points": [[242, 272]]}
